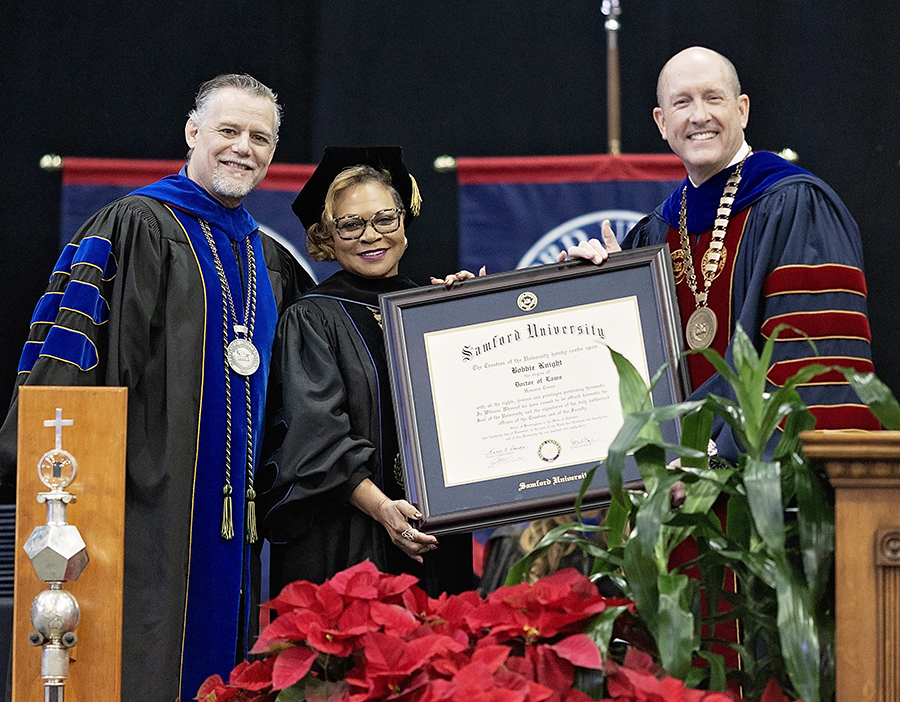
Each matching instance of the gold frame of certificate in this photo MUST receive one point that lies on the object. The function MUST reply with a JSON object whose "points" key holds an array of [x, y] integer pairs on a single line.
{"points": [[504, 389]]}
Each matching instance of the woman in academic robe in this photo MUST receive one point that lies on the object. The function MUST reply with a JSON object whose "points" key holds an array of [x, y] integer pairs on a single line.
{"points": [[332, 487]]}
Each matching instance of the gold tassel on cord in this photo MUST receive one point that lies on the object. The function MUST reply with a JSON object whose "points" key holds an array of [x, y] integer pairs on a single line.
{"points": [[251, 516], [227, 519], [415, 200]]}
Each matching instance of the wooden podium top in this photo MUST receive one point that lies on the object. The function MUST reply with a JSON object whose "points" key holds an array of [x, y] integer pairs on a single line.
{"points": [[858, 459], [851, 444]]}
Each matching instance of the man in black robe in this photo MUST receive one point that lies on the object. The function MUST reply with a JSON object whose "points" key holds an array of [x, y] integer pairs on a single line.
{"points": [[174, 293]]}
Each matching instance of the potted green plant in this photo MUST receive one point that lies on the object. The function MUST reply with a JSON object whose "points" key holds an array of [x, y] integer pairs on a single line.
{"points": [[777, 538]]}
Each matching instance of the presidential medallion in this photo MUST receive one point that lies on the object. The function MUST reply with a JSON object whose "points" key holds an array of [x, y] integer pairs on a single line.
{"points": [[243, 357], [701, 328]]}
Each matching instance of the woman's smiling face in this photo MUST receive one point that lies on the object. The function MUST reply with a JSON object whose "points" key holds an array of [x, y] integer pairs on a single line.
{"points": [[373, 255]]}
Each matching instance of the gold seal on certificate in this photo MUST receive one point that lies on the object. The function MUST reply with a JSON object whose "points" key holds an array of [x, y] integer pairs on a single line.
{"points": [[527, 301], [549, 450], [243, 357], [701, 328]]}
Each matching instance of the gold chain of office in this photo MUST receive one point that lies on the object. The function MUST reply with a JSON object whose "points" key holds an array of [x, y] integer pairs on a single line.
{"points": [[702, 324]]}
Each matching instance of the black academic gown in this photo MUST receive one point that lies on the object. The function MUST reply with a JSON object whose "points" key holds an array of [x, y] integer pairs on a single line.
{"points": [[332, 426], [148, 326]]}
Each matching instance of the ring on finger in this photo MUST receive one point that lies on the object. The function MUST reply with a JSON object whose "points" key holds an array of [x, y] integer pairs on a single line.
{"points": [[408, 534]]}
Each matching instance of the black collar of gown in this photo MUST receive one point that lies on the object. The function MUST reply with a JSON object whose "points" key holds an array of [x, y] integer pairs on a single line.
{"points": [[344, 285]]}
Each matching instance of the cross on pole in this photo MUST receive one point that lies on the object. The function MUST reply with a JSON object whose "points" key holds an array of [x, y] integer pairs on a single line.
{"points": [[59, 423]]}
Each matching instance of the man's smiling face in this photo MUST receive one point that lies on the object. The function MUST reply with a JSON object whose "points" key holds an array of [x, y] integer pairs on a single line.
{"points": [[700, 112], [232, 149]]}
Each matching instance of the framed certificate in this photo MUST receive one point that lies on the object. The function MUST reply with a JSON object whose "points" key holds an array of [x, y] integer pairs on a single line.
{"points": [[505, 391]]}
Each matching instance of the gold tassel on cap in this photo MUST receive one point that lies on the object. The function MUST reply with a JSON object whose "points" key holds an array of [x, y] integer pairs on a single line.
{"points": [[415, 200]]}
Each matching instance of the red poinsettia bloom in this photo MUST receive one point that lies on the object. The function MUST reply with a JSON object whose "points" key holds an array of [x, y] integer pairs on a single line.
{"points": [[558, 603], [214, 688], [291, 665], [252, 676], [366, 636], [365, 581]]}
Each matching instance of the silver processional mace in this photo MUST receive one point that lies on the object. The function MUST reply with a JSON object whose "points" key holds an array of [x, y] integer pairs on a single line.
{"points": [[58, 554]]}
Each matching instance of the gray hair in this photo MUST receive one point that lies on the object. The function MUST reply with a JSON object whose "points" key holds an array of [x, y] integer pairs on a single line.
{"points": [[239, 81]]}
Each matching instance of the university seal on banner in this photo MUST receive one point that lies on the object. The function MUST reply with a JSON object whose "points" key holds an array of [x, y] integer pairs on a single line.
{"points": [[581, 228]]}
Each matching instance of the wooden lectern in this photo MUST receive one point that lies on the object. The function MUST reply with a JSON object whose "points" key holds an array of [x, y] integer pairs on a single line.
{"points": [[96, 438], [864, 469]]}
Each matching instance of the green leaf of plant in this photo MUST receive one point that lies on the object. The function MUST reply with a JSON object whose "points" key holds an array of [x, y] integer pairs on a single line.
{"points": [[702, 494], [876, 395], [696, 430], [650, 516], [674, 624], [798, 633], [816, 534], [737, 521], [716, 662], [696, 677], [294, 693], [634, 394], [618, 451], [750, 384], [582, 490], [617, 515], [762, 480], [789, 444], [600, 628], [712, 574], [732, 413], [641, 573]]}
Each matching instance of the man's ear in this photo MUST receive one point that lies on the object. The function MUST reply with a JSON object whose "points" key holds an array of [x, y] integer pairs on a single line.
{"points": [[190, 132], [744, 109], [660, 120]]}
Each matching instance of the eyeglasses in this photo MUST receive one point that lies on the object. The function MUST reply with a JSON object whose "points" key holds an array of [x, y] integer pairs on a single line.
{"points": [[352, 227]]}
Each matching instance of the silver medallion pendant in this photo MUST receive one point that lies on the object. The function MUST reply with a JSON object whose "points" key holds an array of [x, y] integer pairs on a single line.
{"points": [[701, 328], [243, 357]]}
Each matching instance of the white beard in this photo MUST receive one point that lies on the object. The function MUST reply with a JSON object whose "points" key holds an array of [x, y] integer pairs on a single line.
{"points": [[231, 188]]}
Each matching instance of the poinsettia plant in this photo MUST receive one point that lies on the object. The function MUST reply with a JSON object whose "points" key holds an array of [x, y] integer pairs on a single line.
{"points": [[365, 636]]}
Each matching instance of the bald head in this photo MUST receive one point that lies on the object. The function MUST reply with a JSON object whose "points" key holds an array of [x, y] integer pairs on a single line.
{"points": [[702, 113], [692, 60]]}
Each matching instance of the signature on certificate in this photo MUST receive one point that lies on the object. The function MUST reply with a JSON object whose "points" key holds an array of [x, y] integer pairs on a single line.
{"points": [[506, 454]]}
